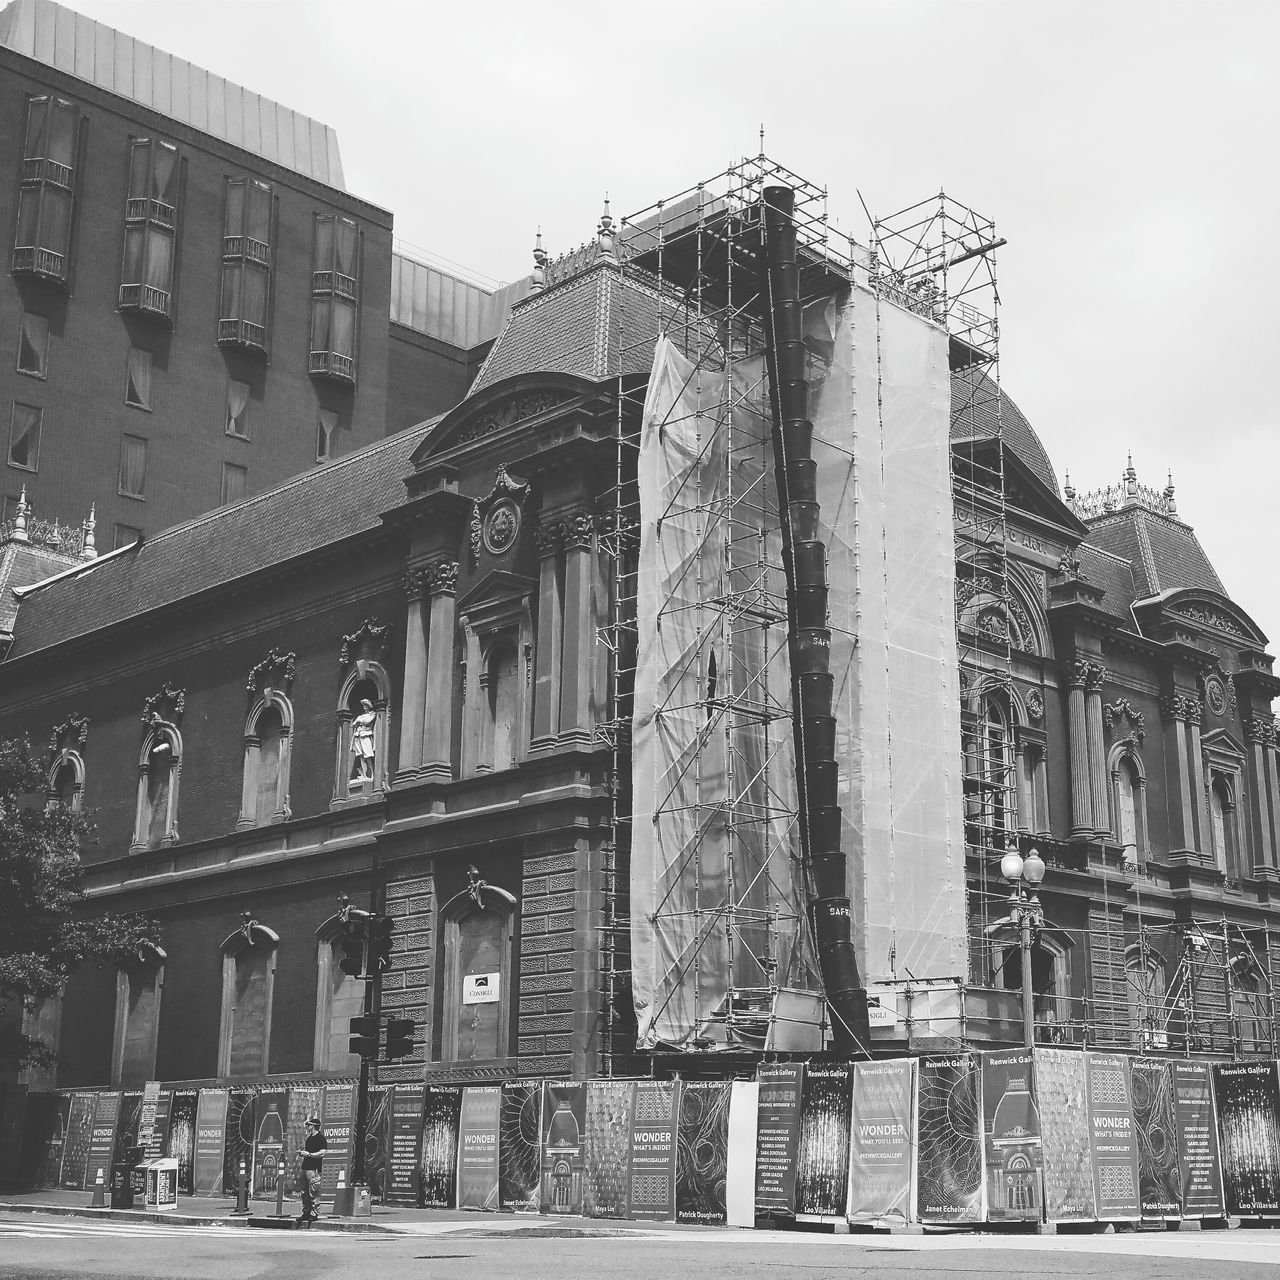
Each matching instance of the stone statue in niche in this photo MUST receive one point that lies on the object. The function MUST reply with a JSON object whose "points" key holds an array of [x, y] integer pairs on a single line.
{"points": [[362, 739]]}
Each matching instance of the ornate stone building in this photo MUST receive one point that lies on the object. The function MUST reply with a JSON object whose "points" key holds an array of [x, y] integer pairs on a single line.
{"points": [[383, 679]]}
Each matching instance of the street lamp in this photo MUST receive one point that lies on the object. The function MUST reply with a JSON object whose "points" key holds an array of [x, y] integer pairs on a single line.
{"points": [[1025, 875]]}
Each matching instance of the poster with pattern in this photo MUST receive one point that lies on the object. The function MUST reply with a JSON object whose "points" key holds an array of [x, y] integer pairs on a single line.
{"points": [[1198, 1163], [180, 1144], [1012, 1149], [304, 1102], [102, 1138], [520, 1147], [1111, 1138], [881, 1141], [338, 1114], [702, 1152], [606, 1154], [478, 1147], [75, 1150], [564, 1117], [778, 1136], [1062, 1090], [127, 1128], [653, 1151], [1159, 1184], [270, 1112], [1248, 1102], [404, 1145], [438, 1164], [822, 1162], [948, 1140], [238, 1149], [377, 1143], [209, 1155]]}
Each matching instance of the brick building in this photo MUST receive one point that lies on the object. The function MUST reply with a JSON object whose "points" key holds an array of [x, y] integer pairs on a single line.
{"points": [[193, 306]]}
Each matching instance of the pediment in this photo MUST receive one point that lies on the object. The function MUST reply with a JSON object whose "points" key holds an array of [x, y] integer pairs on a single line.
{"points": [[1208, 613], [500, 409], [1024, 491], [1222, 743], [496, 586]]}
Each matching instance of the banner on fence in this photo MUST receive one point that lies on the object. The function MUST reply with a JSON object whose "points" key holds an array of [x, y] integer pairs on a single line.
{"points": [[1062, 1092], [438, 1163], [210, 1142], [478, 1147], [822, 1161], [102, 1139], [1012, 1151], [564, 1117], [778, 1137], [606, 1148], [75, 1149], [377, 1142], [1248, 1100], [653, 1151], [520, 1147], [304, 1102], [238, 1138], [702, 1152], [269, 1113], [338, 1117], [181, 1142], [949, 1140], [740, 1186], [1198, 1164], [405, 1135], [1159, 1183], [1112, 1144], [146, 1135], [881, 1141]]}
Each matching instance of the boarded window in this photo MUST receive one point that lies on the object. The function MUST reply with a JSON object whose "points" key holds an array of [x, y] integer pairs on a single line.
{"points": [[250, 992], [270, 729], [474, 1025], [140, 990]]}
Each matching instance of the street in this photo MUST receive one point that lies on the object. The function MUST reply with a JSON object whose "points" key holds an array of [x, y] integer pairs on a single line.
{"points": [[54, 1248]]}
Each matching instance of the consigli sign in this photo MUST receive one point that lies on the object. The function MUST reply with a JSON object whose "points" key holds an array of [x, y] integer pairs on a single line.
{"points": [[480, 988]]}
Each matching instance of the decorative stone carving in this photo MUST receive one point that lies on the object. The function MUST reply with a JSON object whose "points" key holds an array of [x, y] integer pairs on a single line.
{"points": [[1035, 706], [414, 584], [1096, 676], [1215, 695], [1207, 617], [166, 704], [549, 537], [1085, 673], [1005, 620], [1122, 708], [579, 529], [369, 641], [518, 410], [1180, 706], [70, 735], [441, 578], [1260, 729], [1069, 568], [275, 671], [495, 518]]}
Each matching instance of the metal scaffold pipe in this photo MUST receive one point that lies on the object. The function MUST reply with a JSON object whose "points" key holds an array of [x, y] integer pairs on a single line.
{"points": [[804, 561]]}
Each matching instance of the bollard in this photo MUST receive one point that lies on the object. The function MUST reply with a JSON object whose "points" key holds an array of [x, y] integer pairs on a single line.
{"points": [[99, 1200], [242, 1195], [280, 1195]]}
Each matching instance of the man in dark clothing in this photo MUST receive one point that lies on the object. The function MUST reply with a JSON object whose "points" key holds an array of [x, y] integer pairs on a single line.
{"points": [[314, 1147]]}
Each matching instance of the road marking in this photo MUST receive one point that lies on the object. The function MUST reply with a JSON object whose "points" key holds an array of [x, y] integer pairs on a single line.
{"points": [[69, 1230]]}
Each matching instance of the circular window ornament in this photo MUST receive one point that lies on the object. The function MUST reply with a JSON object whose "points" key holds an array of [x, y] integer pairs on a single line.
{"points": [[1215, 696], [501, 527]]}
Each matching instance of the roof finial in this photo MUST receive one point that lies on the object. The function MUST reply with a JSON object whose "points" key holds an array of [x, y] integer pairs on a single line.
{"points": [[1170, 503], [90, 551], [1067, 491], [604, 234], [1130, 479], [539, 265], [762, 138], [20, 519]]}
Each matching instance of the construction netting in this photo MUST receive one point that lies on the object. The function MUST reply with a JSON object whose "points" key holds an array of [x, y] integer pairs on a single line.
{"points": [[716, 899]]}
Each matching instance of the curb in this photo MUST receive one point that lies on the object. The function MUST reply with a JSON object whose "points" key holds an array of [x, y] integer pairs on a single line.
{"points": [[191, 1219]]}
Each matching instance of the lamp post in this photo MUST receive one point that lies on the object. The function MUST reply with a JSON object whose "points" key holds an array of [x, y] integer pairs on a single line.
{"points": [[1025, 875]]}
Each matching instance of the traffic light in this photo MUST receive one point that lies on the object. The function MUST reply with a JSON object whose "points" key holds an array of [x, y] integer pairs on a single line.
{"points": [[380, 942], [364, 1036], [352, 943], [399, 1038]]}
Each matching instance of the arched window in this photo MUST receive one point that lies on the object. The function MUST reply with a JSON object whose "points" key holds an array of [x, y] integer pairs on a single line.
{"points": [[1050, 985], [267, 739], [502, 683], [363, 759], [478, 940], [1145, 982], [1128, 801], [160, 766], [66, 781], [1222, 825], [248, 990], [339, 998], [139, 982], [989, 764]]}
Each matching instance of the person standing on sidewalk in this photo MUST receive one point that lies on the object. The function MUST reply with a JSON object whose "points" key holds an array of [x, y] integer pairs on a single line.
{"points": [[314, 1146]]}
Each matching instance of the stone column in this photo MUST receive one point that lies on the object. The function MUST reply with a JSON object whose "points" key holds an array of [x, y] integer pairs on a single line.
{"points": [[415, 680], [1260, 735], [1097, 748], [551, 616], [1199, 788], [437, 737], [1081, 791], [1182, 826], [1273, 797], [576, 726]]}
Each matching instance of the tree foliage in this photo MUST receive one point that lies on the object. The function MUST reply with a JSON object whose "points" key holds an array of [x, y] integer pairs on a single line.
{"points": [[46, 929]]}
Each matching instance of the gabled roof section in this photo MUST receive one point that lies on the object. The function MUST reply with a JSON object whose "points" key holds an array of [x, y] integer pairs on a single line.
{"points": [[123, 65], [317, 509], [23, 565], [1113, 574]]}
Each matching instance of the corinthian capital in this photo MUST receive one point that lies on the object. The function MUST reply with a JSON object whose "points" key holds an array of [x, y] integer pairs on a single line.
{"points": [[441, 578]]}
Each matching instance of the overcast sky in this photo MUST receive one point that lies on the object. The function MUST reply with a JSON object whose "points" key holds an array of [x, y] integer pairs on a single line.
{"points": [[1127, 152]]}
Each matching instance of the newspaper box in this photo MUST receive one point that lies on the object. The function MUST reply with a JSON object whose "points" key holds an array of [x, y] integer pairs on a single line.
{"points": [[162, 1183]]}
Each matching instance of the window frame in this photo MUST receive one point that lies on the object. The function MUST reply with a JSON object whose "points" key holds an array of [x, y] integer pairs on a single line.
{"points": [[1125, 756], [360, 672], [161, 731], [244, 253], [231, 468], [156, 219], [46, 178], [328, 937], [67, 759], [480, 899], [148, 958], [248, 937], [42, 373], [252, 760], [326, 434], [38, 410], [129, 382], [330, 288], [140, 496]]}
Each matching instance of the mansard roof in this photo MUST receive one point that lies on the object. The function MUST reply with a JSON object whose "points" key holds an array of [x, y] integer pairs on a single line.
{"points": [[1165, 554], [319, 508]]}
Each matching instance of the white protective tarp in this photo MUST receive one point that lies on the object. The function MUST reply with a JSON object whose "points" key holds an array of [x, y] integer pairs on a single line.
{"points": [[715, 901], [880, 405]]}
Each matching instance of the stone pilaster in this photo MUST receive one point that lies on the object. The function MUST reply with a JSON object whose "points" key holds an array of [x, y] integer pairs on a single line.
{"points": [[550, 651], [1096, 748], [1260, 737], [437, 740], [1175, 708], [577, 726], [1081, 790], [415, 678]]}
